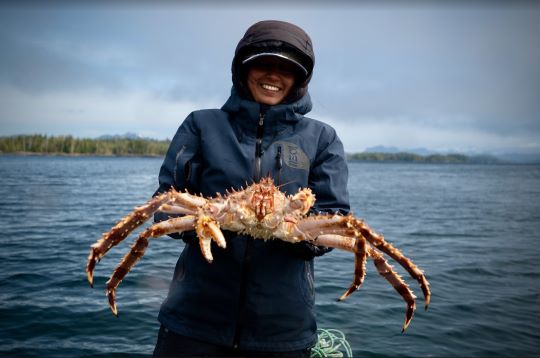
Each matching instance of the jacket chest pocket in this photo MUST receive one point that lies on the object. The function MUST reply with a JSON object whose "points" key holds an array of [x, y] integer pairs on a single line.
{"points": [[291, 164]]}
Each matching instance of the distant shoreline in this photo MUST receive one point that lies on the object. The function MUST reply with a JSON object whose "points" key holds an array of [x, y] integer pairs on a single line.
{"points": [[39, 144], [405, 157], [117, 146], [35, 154], [385, 158]]}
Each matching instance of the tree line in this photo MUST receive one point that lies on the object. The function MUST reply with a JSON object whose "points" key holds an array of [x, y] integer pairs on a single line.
{"points": [[118, 146], [69, 145], [416, 158]]}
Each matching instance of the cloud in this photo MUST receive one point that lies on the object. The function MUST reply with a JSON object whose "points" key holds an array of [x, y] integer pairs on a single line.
{"points": [[362, 133], [93, 113], [433, 76], [49, 64], [469, 67]]}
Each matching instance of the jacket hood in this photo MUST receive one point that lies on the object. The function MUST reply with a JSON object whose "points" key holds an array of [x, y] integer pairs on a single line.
{"points": [[273, 34]]}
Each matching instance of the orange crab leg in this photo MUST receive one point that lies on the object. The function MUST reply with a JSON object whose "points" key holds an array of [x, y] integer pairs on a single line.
{"points": [[337, 241], [360, 258], [179, 224], [397, 282], [183, 203], [120, 231], [359, 246], [314, 226], [174, 209], [356, 245], [207, 230], [348, 225], [188, 200], [379, 242]]}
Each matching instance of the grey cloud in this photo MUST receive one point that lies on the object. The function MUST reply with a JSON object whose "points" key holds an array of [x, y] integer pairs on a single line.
{"points": [[431, 65], [161, 51], [35, 67], [442, 68]]}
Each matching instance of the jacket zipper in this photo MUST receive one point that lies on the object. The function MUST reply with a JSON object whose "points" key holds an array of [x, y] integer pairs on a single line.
{"points": [[258, 148], [279, 164], [257, 176]]}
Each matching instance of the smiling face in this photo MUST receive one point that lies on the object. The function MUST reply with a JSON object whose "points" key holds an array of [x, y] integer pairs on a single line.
{"points": [[270, 79]]}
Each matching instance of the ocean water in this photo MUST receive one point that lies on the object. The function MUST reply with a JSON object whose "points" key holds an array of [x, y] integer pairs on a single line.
{"points": [[473, 229]]}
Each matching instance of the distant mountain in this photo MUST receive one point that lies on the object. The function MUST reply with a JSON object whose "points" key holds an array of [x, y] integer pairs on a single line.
{"points": [[406, 157], [385, 149], [382, 149], [481, 157], [127, 135]]}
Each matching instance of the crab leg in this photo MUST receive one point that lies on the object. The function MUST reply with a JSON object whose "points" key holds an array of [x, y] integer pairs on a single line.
{"points": [[179, 224], [184, 202], [360, 258], [310, 228], [189, 201], [361, 250], [175, 209], [120, 231], [397, 282], [207, 230], [314, 226], [358, 246], [381, 244], [363, 232]]}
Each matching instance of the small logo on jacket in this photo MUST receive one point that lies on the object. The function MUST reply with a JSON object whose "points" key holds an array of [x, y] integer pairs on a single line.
{"points": [[293, 156]]}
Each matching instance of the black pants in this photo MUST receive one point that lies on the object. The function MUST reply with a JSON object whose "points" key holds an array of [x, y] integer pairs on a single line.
{"points": [[170, 344]]}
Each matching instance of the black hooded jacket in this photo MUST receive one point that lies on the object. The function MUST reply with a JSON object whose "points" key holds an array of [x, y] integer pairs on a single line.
{"points": [[256, 295]]}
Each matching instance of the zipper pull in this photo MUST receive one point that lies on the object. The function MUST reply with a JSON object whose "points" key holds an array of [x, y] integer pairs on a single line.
{"points": [[260, 132], [258, 148]]}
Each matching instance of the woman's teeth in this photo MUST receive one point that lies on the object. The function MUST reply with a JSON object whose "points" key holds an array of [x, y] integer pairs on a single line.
{"points": [[269, 87]]}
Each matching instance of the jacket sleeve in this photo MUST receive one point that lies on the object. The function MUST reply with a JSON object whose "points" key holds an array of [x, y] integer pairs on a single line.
{"points": [[181, 166], [329, 175], [328, 180]]}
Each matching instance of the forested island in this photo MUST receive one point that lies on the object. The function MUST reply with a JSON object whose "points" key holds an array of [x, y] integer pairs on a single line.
{"points": [[69, 145], [39, 144], [416, 158]]}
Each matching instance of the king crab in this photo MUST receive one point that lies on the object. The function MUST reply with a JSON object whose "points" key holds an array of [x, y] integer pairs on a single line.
{"points": [[262, 211]]}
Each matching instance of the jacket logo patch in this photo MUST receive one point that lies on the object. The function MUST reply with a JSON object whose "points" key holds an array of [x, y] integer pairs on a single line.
{"points": [[293, 156]]}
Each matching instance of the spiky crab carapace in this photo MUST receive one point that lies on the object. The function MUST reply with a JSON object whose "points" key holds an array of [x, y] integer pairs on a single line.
{"points": [[262, 211]]}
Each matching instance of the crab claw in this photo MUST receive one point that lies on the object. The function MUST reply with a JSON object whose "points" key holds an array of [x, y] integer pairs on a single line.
{"points": [[397, 282], [92, 259], [425, 289], [208, 230], [206, 250], [411, 306], [111, 295]]}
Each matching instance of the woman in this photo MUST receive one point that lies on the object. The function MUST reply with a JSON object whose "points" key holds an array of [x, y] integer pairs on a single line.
{"points": [[257, 297]]}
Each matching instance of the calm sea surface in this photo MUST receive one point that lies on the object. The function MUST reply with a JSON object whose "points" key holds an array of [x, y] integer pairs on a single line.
{"points": [[474, 229]]}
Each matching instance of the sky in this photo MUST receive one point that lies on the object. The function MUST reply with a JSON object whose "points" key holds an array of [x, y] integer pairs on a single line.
{"points": [[461, 76]]}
